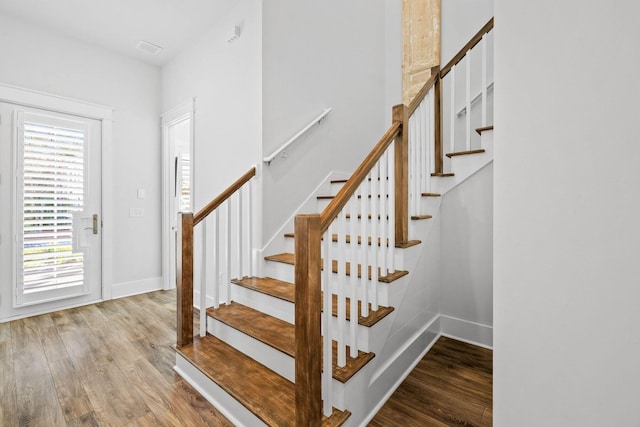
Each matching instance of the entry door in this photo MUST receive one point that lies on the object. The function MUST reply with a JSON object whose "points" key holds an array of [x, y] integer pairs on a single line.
{"points": [[57, 208]]}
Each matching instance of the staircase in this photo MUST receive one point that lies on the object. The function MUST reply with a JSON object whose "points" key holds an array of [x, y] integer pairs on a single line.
{"points": [[350, 275]]}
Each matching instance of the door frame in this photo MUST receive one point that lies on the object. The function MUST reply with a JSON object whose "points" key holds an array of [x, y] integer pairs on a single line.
{"points": [[40, 100], [185, 110]]}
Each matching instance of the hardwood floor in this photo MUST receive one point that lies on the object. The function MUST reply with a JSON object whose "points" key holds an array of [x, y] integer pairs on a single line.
{"points": [[450, 386], [111, 364]]}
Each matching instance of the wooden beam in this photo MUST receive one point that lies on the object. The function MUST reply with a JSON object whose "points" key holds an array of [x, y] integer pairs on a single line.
{"points": [[184, 278], [401, 158], [308, 307]]}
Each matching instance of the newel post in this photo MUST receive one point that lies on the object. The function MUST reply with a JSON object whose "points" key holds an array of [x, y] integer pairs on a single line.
{"points": [[184, 279], [308, 360], [401, 157]]}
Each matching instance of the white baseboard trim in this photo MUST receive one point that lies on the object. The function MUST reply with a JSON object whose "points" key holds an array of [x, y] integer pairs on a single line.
{"points": [[466, 331], [127, 289]]}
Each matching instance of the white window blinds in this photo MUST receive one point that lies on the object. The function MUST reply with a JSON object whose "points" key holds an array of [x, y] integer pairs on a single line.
{"points": [[53, 187]]}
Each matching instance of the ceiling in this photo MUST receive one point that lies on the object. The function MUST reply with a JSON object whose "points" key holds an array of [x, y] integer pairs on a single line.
{"points": [[119, 25]]}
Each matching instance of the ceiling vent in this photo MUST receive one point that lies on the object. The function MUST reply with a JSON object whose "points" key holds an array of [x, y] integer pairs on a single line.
{"points": [[151, 48]]}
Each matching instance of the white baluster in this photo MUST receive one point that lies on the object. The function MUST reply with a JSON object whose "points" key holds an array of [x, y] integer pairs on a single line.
{"points": [[203, 282], [484, 81], [384, 222], [426, 170], [452, 130], [468, 101], [431, 145], [341, 290], [375, 234], [249, 218], [390, 246], [353, 291], [240, 244], [216, 259], [327, 361], [412, 163], [414, 177], [226, 276], [364, 250]]}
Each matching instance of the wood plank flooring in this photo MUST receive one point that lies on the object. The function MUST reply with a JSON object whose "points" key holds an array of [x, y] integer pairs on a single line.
{"points": [[108, 364], [450, 386], [111, 364]]}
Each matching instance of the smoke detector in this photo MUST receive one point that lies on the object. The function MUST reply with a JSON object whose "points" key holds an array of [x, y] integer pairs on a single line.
{"points": [[147, 47]]}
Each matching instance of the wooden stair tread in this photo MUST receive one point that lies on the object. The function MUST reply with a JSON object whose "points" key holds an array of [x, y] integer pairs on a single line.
{"points": [[285, 258], [270, 330], [464, 153], [373, 317], [286, 291], [270, 286], [263, 392], [334, 238], [419, 217], [289, 258], [431, 194], [279, 334], [482, 129], [443, 175]]}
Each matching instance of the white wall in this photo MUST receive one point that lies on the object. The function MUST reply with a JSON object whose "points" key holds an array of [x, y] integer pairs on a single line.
{"points": [[318, 55], [467, 250], [459, 21], [225, 80], [567, 240], [36, 59]]}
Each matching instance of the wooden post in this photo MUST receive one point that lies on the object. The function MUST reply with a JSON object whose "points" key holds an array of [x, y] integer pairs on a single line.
{"points": [[437, 124], [401, 157], [184, 279], [308, 321]]}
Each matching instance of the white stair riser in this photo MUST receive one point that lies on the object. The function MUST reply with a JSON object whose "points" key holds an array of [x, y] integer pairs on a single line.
{"points": [[276, 307], [277, 361]]}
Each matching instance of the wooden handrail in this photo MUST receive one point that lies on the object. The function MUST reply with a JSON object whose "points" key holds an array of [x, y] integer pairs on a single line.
{"points": [[413, 106], [470, 44], [349, 188], [212, 205]]}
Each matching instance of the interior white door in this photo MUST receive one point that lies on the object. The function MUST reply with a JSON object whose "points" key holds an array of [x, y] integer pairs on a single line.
{"points": [[56, 209], [178, 189]]}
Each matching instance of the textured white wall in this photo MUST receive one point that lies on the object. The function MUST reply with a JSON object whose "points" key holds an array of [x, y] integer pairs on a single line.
{"points": [[467, 250], [36, 59], [318, 55], [567, 240], [225, 80]]}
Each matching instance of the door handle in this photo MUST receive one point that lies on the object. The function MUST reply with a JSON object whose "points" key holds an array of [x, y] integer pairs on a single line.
{"points": [[94, 226]]}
